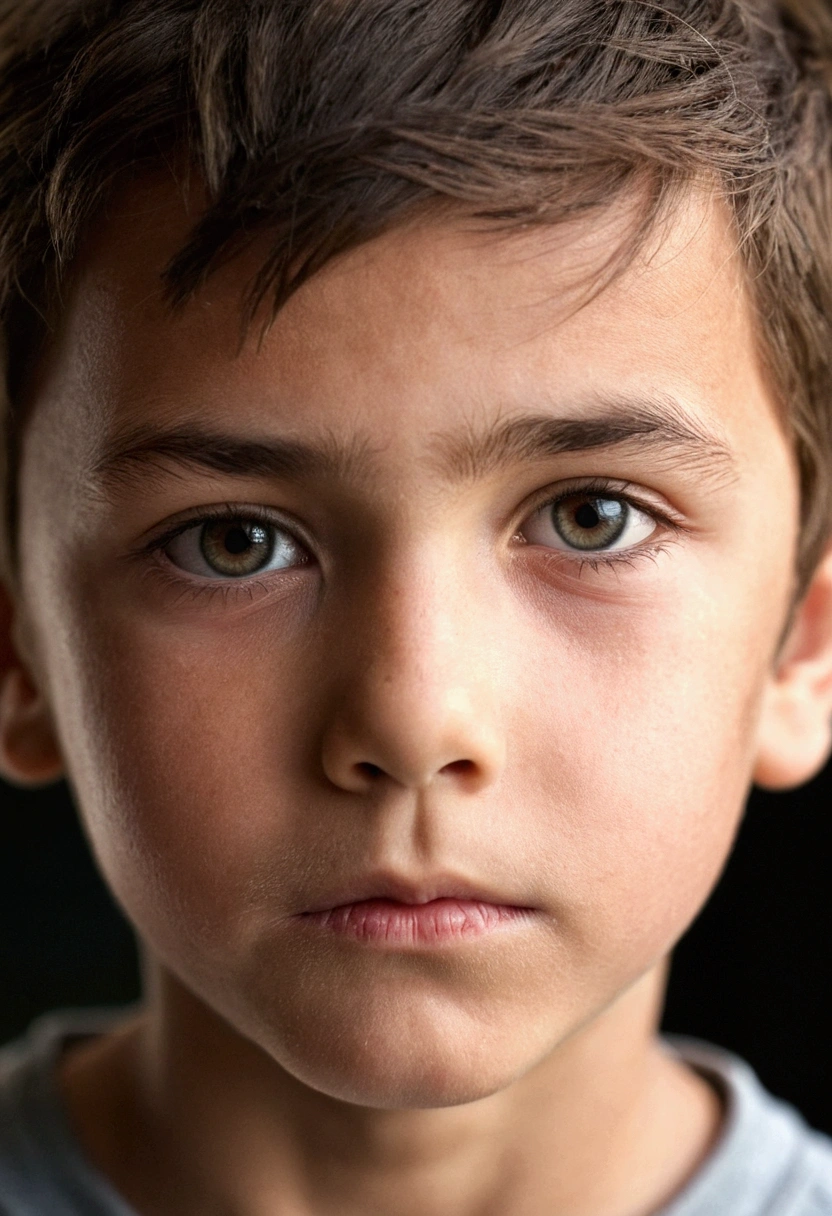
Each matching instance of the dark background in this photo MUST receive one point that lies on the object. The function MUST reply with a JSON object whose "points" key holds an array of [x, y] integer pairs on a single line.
{"points": [[753, 974]]}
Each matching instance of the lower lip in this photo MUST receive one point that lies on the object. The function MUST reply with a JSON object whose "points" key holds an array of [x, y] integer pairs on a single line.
{"points": [[385, 921]]}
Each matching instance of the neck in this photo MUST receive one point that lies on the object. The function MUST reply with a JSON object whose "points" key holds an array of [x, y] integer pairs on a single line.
{"points": [[608, 1124]]}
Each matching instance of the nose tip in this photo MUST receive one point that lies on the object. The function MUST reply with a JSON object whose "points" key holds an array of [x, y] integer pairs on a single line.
{"points": [[364, 752]]}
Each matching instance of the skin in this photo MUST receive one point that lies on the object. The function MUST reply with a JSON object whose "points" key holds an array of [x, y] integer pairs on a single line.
{"points": [[437, 690]]}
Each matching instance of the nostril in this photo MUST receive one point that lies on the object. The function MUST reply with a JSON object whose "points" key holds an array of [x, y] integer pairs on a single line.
{"points": [[459, 767], [369, 770]]}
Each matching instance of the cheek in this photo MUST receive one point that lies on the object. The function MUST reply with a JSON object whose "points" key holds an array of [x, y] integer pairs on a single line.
{"points": [[638, 735], [182, 751]]}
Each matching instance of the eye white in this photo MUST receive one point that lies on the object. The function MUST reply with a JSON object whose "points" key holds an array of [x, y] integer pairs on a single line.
{"points": [[588, 522], [233, 548]]}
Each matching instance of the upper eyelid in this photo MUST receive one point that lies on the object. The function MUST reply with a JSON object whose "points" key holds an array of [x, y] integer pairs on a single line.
{"points": [[613, 488], [227, 511]]}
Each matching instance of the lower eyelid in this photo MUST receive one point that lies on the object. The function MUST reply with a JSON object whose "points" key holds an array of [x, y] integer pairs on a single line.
{"points": [[171, 579], [603, 570]]}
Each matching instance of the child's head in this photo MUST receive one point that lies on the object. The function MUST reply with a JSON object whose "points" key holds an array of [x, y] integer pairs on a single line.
{"points": [[462, 568]]}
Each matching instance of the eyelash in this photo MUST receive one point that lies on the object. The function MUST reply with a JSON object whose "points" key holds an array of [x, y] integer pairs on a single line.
{"points": [[616, 559], [210, 588], [251, 586]]}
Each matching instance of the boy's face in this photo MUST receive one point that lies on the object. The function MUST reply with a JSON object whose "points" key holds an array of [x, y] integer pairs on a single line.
{"points": [[408, 675]]}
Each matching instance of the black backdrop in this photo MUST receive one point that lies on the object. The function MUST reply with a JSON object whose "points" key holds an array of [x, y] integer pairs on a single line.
{"points": [[753, 974]]}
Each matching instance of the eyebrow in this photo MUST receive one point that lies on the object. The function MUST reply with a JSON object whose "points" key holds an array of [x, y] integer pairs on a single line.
{"points": [[191, 447], [660, 424]]}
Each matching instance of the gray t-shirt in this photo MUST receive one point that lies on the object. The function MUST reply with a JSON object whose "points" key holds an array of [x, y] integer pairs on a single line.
{"points": [[766, 1163]]}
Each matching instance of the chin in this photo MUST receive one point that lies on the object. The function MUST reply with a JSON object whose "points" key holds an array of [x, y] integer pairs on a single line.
{"points": [[406, 1035], [426, 1055], [402, 1081]]}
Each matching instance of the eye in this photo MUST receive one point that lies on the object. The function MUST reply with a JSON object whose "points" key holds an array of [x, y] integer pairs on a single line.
{"points": [[233, 548], [589, 522]]}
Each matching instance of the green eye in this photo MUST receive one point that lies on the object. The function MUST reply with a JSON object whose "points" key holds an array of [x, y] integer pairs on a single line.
{"points": [[233, 548], [589, 522]]}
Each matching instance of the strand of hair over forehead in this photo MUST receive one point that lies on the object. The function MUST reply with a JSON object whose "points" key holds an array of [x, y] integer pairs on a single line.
{"points": [[324, 121], [496, 107]]}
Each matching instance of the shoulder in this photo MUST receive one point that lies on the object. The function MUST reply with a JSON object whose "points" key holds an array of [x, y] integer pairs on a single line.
{"points": [[42, 1169], [817, 1168], [819, 1202], [768, 1161]]}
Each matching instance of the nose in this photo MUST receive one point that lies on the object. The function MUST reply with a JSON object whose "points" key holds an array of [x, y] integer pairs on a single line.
{"points": [[416, 698]]}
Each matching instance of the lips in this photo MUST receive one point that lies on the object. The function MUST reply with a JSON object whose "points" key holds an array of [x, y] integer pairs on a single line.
{"points": [[396, 914], [386, 921]]}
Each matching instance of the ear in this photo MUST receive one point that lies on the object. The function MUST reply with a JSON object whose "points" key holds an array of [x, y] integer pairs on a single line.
{"points": [[29, 751], [795, 733]]}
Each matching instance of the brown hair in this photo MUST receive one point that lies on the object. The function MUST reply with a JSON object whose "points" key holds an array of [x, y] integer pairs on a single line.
{"points": [[322, 122]]}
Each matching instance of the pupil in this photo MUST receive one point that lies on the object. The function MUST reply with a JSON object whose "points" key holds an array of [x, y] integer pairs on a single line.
{"points": [[237, 540], [586, 516]]}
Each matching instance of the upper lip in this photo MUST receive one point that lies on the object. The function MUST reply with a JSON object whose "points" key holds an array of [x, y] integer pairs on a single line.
{"points": [[406, 891]]}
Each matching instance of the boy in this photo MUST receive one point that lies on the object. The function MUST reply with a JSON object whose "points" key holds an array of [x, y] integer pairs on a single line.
{"points": [[419, 480]]}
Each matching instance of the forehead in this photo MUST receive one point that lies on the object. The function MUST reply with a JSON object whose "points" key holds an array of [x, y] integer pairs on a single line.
{"points": [[422, 331]]}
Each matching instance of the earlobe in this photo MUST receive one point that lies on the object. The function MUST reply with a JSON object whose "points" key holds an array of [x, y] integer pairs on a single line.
{"points": [[29, 751], [795, 731]]}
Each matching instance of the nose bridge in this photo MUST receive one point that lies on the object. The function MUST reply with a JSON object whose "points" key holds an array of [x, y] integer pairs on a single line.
{"points": [[416, 698]]}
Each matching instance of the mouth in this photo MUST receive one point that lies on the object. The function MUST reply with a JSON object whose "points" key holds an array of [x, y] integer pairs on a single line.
{"points": [[432, 916]]}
